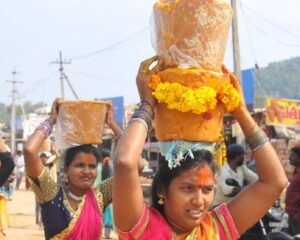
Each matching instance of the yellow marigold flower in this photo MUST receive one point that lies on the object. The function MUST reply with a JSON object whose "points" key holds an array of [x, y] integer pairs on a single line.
{"points": [[197, 100]]}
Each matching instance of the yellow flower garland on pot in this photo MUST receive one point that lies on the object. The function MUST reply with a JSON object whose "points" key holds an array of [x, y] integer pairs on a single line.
{"points": [[197, 100]]}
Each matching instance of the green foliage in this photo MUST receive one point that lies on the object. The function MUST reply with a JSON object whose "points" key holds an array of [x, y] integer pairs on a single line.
{"points": [[25, 108], [279, 79], [4, 114]]}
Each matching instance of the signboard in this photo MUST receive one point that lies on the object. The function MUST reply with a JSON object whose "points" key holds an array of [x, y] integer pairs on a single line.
{"points": [[118, 103], [283, 112], [248, 87]]}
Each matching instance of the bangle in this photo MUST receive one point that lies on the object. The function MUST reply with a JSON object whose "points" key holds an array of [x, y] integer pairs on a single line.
{"points": [[140, 120], [145, 115], [46, 127], [146, 102], [117, 138], [257, 140]]}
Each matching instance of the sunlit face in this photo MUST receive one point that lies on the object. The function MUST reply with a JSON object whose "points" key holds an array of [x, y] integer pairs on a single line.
{"points": [[189, 197], [82, 172]]}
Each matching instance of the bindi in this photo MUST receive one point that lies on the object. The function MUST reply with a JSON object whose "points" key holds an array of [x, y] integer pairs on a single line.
{"points": [[89, 159], [204, 176]]}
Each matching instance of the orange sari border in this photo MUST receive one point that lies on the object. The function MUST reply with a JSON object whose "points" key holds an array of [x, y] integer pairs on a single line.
{"points": [[138, 229]]}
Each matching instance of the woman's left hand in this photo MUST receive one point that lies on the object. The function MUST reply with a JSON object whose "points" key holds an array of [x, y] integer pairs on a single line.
{"points": [[110, 114], [143, 79]]}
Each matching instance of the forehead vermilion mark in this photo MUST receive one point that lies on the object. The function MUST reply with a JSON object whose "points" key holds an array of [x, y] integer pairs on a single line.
{"points": [[204, 176], [88, 159]]}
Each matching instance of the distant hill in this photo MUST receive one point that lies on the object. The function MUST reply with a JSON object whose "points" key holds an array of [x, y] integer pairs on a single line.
{"points": [[278, 79]]}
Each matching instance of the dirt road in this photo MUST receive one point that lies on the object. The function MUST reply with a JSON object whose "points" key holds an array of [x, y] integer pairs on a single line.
{"points": [[22, 217]]}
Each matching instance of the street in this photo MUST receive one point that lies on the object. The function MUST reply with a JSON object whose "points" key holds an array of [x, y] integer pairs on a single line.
{"points": [[22, 217]]}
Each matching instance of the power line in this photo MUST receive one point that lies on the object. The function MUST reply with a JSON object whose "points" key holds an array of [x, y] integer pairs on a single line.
{"points": [[272, 37], [248, 33], [38, 82], [270, 22], [113, 46]]}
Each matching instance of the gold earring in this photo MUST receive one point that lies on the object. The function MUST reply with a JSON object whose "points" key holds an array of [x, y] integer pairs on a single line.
{"points": [[161, 201], [66, 179]]}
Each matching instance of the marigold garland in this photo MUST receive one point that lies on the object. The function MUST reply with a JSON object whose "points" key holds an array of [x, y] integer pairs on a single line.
{"points": [[197, 100]]}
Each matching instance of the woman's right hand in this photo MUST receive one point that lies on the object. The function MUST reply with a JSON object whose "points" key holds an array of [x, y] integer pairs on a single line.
{"points": [[143, 79], [54, 110]]}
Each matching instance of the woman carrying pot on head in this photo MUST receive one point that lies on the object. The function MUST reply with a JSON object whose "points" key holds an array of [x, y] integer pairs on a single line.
{"points": [[77, 212], [182, 196]]}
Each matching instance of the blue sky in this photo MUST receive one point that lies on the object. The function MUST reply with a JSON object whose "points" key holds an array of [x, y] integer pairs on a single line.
{"points": [[33, 32]]}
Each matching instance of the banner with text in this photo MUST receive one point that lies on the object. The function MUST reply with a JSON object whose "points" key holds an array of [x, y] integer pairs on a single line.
{"points": [[283, 112]]}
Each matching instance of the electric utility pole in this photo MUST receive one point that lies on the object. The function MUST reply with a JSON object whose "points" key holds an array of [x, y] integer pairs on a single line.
{"points": [[61, 69], [63, 76], [235, 40], [13, 111]]}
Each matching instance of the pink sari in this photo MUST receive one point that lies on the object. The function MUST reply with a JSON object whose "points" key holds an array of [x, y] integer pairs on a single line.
{"points": [[88, 225], [216, 225]]}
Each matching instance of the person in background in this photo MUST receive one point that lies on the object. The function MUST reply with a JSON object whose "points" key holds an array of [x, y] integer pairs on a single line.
{"points": [[7, 164], [6, 167], [20, 168], [292, 200], [235, 169], [107, 172]]}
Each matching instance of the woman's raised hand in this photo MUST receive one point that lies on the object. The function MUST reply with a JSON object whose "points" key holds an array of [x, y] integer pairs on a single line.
{"points": [[143, 79], [235, 82], [110, 114], [54, 110]]}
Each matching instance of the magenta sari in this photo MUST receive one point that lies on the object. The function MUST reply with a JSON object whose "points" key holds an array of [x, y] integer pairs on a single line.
{"points": [[216, 225], [87, 225]]}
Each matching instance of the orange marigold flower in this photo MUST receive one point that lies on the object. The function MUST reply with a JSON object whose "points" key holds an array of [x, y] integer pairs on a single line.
{"points": [[155, 80]]}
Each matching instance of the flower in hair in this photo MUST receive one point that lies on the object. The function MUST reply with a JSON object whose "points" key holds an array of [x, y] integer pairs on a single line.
{"points": [[175, 152]]}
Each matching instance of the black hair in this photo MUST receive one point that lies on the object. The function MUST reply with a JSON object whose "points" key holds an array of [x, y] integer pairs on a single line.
{"points": [[43, 155], [105, 153], [165, 175], [232, 155], [72, 152], [296, 150]]}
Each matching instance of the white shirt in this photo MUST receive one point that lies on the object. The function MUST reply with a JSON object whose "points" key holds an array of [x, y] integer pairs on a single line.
{"points": [[20, 164], [242, 173]]}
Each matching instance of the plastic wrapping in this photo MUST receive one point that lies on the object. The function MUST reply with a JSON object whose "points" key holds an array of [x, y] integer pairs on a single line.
{"points": [[191, 33], [190, 36], [80, 122]]}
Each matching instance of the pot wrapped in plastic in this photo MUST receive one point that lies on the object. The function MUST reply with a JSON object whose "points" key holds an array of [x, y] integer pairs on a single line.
{"points": [[192, 33], [192, 92], [80, 122]]}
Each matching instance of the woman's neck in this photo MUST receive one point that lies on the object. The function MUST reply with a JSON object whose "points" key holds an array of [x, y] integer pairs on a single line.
{"points": [[77, 192], [175, 228]]}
